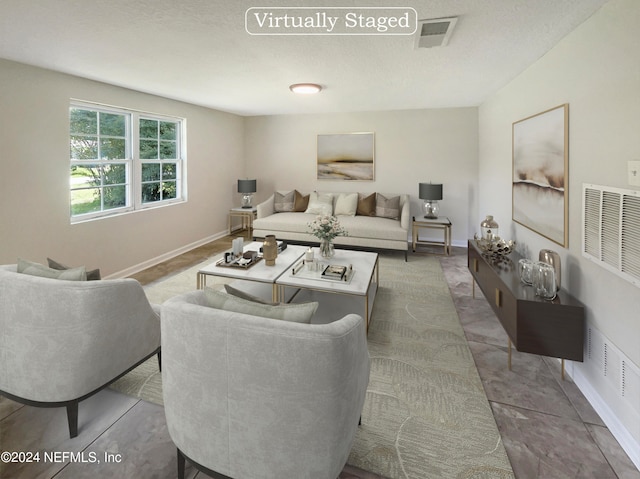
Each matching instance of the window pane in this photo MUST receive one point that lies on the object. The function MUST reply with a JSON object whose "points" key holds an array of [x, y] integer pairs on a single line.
{"points": [[85, 201], [112, 124], [112, 149], [85, 176], [167, 130], [168, 190], [150, 192], [84, 147], [83, 121], [102, 163], [115, 174], [169, 171], [149, 129], [150, 171], [148, 149], [168, 150], [114, 197]]}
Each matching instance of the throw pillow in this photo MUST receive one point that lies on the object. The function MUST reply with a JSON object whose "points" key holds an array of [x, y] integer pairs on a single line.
{"points": [[320, 204], [346, 204], [92, 275], [388, 207], [300, 203], [366, 205], [297, 313], [283, 203], [244, 295], [37, 269]]}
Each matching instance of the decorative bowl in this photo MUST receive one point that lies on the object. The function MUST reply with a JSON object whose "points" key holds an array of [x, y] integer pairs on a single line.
{"points": [[496, 247]]}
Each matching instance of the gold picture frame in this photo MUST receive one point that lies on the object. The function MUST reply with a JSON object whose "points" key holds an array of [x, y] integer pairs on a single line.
{"points": [[346, 157], [540, 189]]}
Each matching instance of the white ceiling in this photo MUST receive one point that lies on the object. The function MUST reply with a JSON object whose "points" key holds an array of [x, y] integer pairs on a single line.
{"points": [[198, 51]]}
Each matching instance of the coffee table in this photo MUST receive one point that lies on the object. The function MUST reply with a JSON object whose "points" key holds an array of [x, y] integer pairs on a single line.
{"points": [[337, 296], [260, 272]]}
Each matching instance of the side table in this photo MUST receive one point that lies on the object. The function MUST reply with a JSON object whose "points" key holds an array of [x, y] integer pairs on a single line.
{"points": [[246, 215], [441, 223]]}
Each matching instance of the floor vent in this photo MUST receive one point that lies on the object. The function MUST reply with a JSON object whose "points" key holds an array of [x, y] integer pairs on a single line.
{"points": [[435, 33], [611, 230]]}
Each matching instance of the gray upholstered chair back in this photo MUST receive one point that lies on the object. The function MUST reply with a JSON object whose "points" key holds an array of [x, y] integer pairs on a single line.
{"points": [[63, 340], [252, 397]]}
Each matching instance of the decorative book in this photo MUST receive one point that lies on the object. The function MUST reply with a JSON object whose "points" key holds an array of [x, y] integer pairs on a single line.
{"points": [[334, 271], [282, 245]]}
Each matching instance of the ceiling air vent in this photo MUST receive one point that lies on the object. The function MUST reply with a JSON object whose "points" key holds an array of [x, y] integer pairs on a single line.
{"points": [[435, 33]]}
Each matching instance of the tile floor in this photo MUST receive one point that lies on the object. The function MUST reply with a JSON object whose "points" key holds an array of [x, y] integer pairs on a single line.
{"points": [[548, 428]]}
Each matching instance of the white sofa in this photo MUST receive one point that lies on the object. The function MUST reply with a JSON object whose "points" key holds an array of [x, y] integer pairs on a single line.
{"points": [[62, 341], [257, 398], [363, 231]]}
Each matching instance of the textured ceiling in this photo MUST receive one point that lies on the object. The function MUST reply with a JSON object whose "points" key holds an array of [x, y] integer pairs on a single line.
{"points": [[199, 51]]}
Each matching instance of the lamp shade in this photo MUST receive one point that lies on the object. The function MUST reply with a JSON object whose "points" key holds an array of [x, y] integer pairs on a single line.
{"points": [[247, 186], [430, 191]]}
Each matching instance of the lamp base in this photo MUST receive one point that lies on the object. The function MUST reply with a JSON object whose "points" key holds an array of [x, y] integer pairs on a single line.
{"points": [[431, 209], [246, 200]]}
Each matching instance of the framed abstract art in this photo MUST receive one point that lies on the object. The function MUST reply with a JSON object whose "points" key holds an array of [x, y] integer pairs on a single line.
{"points": [[540, 190], [346, 157]]}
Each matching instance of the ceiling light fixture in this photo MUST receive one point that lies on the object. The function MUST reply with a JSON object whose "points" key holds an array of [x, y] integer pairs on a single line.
{"points": [[305, 88]]}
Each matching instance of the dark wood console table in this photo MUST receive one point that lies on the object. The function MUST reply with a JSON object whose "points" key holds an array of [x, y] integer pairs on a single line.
{"points": [[534, 325]]}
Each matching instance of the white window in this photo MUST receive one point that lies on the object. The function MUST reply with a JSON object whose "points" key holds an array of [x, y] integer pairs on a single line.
{"points": [[123, 160]]}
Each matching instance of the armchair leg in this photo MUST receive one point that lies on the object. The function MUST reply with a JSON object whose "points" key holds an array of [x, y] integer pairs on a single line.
{"points": [[360, 421], [181, 464], [72, 418], [160, 360]]}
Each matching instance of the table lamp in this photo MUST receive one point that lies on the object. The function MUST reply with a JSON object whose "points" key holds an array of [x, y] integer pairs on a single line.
{"points": [[430, 193], [247, 188]]}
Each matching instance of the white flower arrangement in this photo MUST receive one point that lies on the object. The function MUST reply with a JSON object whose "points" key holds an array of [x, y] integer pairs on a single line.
{"points": [[327, 227]]}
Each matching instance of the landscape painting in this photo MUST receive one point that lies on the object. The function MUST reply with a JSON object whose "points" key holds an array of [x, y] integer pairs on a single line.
{"points": [[540, 173], [346, 157]]}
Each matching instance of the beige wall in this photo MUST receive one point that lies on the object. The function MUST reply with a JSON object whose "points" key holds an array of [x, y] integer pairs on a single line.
{"points": [[596, 70], [34, 181], [411, 146]]}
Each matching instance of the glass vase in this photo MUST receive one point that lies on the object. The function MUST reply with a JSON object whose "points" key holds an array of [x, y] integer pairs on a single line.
{"points": [[326, 248], [489, 228]]}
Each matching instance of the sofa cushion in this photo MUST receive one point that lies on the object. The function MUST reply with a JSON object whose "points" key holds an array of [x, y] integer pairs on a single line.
{"points": [[366, 205], [388, 207], [346, 204], [92, 275], [297, 313], [37, 269], [244, 295], [283, 202], [300, 202], [320, 204], [372, 227]]}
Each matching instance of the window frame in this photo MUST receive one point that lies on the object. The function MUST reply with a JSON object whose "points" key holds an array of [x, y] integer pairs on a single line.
{"points": [[133, 162]]}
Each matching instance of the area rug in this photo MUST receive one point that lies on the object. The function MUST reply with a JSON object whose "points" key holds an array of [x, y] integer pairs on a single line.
{"points": [[426, 414]]}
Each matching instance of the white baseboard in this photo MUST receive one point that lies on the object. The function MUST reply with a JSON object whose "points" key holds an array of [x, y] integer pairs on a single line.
{"points": [[164, 257], [617, 428]]}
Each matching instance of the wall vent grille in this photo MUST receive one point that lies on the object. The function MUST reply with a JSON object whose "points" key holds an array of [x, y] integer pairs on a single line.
{"points": [[611, 230], [617, 378]]}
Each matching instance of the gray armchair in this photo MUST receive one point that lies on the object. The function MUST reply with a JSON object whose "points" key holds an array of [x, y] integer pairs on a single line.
{"points": [[63, 341], [249, 397]]}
